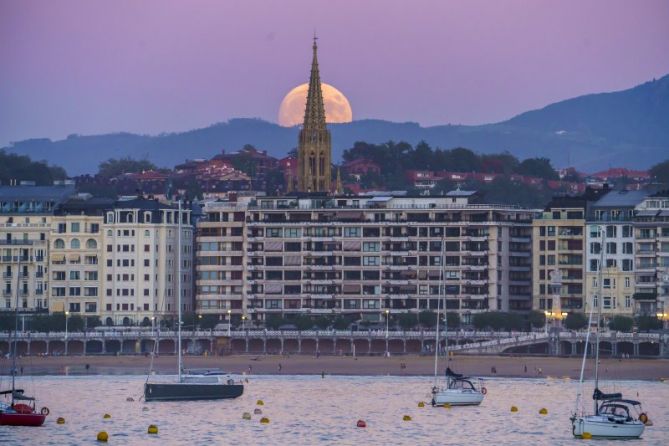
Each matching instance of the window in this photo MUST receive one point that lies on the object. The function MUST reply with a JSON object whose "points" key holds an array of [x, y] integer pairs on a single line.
{"points": [[611, 231], [371, 246], [274, 232], [370, 261], [371, 304], [91, 275], [611, 246], [292, 232], [74, 275], [59, 244], [595, 247], [75, 291], [90, 291], [59, 275], [58, 291], [628, 248], [95, 228], [627, 231], [351, 232], [74, 227], [607, 301], [594, 265], [62, 228], [75, 244], [628, 264], [628, 301], [91, 244]]}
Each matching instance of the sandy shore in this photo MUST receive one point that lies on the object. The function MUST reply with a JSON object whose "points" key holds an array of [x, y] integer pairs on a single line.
{"points": [[653, 369]]}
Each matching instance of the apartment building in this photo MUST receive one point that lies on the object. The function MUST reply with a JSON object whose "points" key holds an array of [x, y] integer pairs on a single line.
{"points": [[140, 271], [651, 233], [610, 247], [76, 256], [26, 213], [558, 262], [362, 256]]}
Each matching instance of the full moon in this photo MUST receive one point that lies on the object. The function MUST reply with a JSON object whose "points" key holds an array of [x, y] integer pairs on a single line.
{"points": [[337, 107]]}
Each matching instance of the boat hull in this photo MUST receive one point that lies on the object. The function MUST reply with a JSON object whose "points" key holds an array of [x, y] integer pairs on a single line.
{"points": [[191, 391], [601, 426], [21, 419], [457, 398]]}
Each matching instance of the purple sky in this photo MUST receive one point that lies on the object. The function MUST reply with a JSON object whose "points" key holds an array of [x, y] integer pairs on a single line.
{"points": [[153, 66]]}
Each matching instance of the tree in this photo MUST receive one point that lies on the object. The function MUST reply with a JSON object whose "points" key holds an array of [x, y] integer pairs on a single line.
{"points": [[21, 167], [660, 172], [427, 318], [575, 321], [341, 323], [621, 323], [322, 322], [303, 322], [407, 321], [115, 167], [538, 167], [274, 321], [93, 321], [209, 321], [537, 319], [7, 321], [453, 320], [647, 323], [503, 163]]}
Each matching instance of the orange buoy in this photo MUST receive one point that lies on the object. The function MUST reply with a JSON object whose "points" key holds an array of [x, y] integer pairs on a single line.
{"points": [[361, 423]]}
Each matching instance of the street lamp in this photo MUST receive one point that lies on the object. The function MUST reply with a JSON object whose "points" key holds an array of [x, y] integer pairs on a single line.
{"points": [[556, 289], [387, 319], [229, 321], [153, 324], [67, 313], [243, 322], [199, 321]]}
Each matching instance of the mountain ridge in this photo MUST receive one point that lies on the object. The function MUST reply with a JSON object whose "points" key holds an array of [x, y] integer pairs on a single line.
{"points": [[591, 132]]}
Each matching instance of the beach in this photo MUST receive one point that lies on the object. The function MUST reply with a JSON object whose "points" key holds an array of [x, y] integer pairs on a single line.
{"points": [[409, 365]]}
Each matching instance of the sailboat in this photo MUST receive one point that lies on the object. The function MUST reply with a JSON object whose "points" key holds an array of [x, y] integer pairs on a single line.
{"points": [[459, 390], [21, 409], [190, 386], [613, 415]]}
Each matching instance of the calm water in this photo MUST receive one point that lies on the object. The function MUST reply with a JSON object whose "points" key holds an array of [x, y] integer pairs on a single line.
{"points": [[310, 410]]}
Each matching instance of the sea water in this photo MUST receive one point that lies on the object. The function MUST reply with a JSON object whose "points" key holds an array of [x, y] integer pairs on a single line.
{"points": [[309, 410]]}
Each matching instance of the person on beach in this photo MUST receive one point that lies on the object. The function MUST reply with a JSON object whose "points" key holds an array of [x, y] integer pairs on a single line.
{"points": [[279, 367], [525, 368]]}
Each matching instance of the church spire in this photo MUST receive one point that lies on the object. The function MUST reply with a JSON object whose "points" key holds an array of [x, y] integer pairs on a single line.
{"points": [[314, 150], [314, 114]]}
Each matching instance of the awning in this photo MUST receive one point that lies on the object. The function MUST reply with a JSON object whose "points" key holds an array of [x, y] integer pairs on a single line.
{"points": [[58, 257], [646, 213], [74, 258]]}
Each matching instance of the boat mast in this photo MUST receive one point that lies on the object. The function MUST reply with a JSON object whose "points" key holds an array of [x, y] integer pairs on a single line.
{"points": [[599, 306], [436, 344], [179, 291], [16, 328]]}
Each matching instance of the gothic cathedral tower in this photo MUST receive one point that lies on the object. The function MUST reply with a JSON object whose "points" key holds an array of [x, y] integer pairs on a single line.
{"points": [[314, 152]]}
